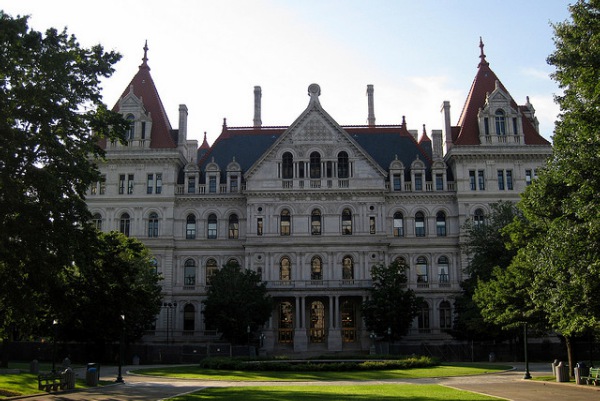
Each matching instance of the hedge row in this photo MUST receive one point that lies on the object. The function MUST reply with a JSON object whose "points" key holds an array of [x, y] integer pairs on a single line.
{"points": [[316, 366]]}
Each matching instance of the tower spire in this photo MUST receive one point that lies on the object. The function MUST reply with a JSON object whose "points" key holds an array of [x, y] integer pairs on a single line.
{"points": [[482, 54], [145, 58]]}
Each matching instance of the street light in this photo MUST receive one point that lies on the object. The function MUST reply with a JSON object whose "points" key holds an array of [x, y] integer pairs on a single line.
{"points": [[527, 375], [372, 336], [121, 345], [54, 329]]}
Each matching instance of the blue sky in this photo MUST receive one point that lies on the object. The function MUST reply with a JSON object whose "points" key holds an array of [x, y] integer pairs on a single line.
{"points": [[209, 55]]}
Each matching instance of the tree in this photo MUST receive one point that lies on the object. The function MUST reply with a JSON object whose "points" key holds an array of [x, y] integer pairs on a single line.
{"points": [[560, 243], [116, 277], [237, 303], [486, 245], [391, 305], [51, 117]]}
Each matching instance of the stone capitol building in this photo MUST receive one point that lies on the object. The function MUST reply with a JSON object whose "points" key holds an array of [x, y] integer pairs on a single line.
{"points": [[312, 206]]}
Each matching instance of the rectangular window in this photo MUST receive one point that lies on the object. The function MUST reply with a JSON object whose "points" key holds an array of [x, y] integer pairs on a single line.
{"points": [[233, 183], [528, 177], [94, 188], [418, 182], [121, 184], [472, 180], [509, 180], [129, 184], [501, 180], [439, 182], [102, 184], [191, 185], [259, 226], [212, 185], [486, 125], [515, 127], [329, 169], [397, 182], [150, 184], [371, 224], [143, 130], [481, 180], [158, 183], [301, 170]]}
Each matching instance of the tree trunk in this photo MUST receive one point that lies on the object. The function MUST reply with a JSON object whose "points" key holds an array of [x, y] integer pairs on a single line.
{"points": [[4, 353], [570, 356]]}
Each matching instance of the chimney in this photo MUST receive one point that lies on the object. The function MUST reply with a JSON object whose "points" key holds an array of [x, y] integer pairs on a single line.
{"points": [[371, 117], [436, 139], [183, 114], [257, 97], [447, 125]]}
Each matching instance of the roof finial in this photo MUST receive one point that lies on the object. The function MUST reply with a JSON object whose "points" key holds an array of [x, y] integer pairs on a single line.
{"points": [[482, 54], [145, 58]]}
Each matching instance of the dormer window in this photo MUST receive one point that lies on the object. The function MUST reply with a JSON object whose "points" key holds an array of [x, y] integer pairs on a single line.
{"points": [[343, 165], [287, 166], [131, 130], [500, 122]]}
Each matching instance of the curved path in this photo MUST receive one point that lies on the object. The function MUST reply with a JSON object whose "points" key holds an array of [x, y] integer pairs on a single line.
{"points": [[506, 385]]}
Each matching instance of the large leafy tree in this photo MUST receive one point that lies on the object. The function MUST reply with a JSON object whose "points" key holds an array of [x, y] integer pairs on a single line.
{"points": [[237, 300], [486, 245], [115, 277], [561, 240], [391, 305], [51, 117]]}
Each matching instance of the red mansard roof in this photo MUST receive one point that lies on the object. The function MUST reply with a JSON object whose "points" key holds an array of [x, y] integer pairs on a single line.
{"points": [[144, 88], [467, 132]]}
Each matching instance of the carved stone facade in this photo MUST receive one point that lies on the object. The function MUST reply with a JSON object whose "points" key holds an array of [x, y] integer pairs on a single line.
{"points": [[312, 207]]}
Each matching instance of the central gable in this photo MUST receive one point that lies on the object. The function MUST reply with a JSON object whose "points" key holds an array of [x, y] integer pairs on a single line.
{"points": [[314, 134]]}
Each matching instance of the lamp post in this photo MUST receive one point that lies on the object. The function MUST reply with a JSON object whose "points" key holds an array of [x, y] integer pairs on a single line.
{"points": [[54, 330], [121, 345], [372, 336], [527, 375], [389, 333]]}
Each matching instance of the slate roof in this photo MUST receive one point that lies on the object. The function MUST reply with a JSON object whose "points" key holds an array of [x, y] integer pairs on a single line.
{"points": [[162, 135], [467, 132], [382, 143]]}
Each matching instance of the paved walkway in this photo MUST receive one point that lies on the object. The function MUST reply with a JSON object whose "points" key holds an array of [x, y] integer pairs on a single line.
{"points": [[507, 385]]}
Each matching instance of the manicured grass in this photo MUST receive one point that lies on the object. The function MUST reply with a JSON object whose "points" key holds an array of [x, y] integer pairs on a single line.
{"points": [[21, 384], [445, 370], [424, 392]]}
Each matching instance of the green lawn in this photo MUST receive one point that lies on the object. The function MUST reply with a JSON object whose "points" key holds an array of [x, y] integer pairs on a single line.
{"points": [[424, 392], [445, 370]]}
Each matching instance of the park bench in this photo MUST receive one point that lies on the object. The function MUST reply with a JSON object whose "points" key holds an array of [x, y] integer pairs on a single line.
{"points": [[52, 382], [593, 377]]}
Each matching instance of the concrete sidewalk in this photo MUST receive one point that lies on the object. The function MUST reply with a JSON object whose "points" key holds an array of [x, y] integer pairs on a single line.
{"points": [[508, 385]]}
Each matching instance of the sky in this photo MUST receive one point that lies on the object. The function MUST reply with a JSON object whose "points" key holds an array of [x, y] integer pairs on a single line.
{"points": [[209, 55]]}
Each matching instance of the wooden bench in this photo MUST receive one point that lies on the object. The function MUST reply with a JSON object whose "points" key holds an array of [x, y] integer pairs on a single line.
{"points": [[593, 377], [51, 382]]}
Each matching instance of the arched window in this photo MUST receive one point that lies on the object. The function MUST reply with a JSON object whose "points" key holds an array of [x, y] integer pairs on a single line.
{"points": [[315, 165], [343, 167], [285, 269], [419, 224], [421, 269], [348, 315], [443, 267], [440, 224], [500, 123], [153, 225], [190, 227], [189, 317], [234, 227], [346, 222], [478, 218], [445, 315], [401, 261], [286, 322], [423, 318], [212, 226], [315, 222], [189, 272], [316, 268], [398, 225], [129, 135], [233, 262], [285, 222], [211, 269], [347, 268], [124, 223], [287, 166], [97, 221]]}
